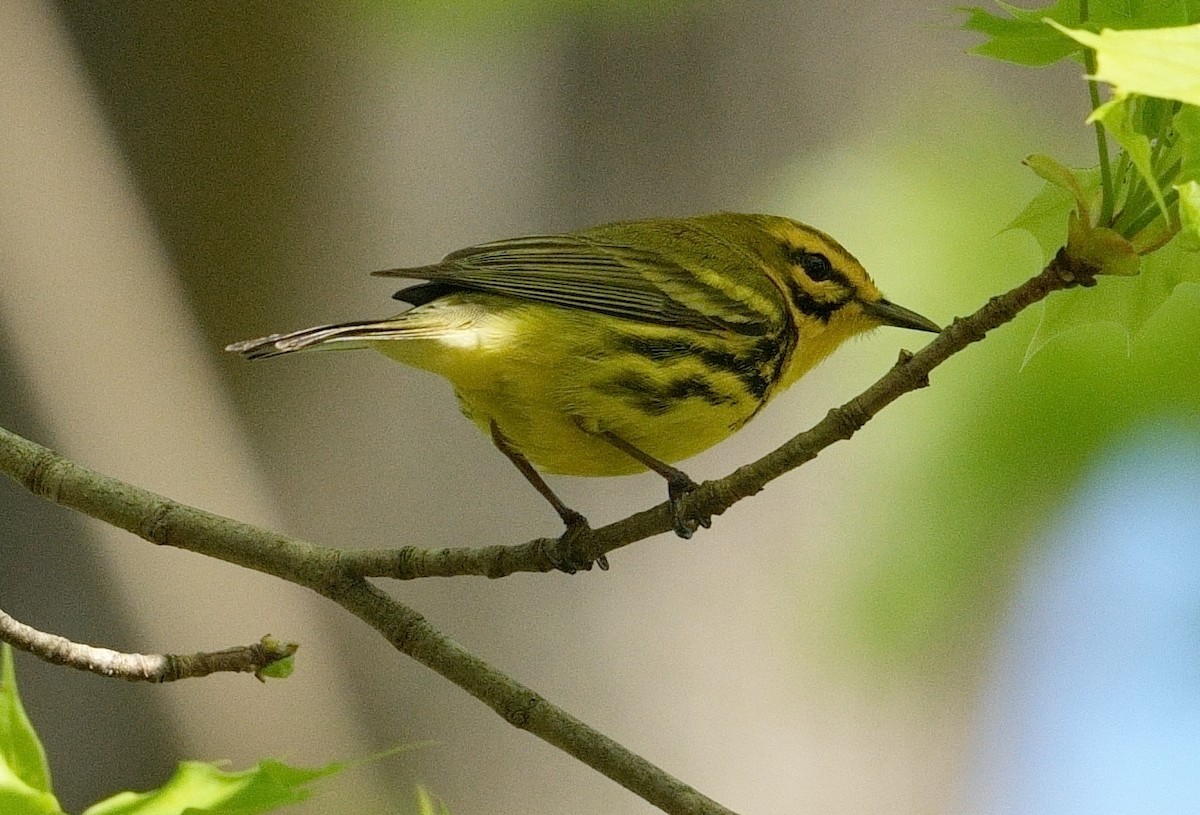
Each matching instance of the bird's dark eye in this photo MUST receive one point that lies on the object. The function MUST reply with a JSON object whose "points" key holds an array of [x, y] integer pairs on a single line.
{"points": [[815, 265]]}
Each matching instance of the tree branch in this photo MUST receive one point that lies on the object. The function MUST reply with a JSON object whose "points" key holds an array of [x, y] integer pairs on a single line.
{"points": [[518, 705], [339, 574], [166, 522], [142, 667]]}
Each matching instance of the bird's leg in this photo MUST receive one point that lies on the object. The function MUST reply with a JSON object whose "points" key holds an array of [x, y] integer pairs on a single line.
{"points": [[574, 521], [679, 484], [569, 516]]}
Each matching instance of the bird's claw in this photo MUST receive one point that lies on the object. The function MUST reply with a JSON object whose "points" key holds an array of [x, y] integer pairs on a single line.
{"points": [[561, 551], [678, 486]]}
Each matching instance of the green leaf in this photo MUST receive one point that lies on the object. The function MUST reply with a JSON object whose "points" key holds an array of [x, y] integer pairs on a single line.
{"points": [[1100, 248], [24, 773], [1045, 216], [198, 788], [1122, 14], [1126, 302], [1117, 116], [1187, 129], [1152, 116], [18, 798], [1022, 37], [285, 659], [1189, 215], [279, 669], [1162, 62], [1061, 176], [20, 749]]}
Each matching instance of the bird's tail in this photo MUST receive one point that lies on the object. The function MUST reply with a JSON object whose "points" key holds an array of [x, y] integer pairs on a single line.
{"points": [[342, 336], [428, 322]]}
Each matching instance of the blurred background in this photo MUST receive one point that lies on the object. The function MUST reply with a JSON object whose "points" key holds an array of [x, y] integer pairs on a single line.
{"points": [[986, 602]]}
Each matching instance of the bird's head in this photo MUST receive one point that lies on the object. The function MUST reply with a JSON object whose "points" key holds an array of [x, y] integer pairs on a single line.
{"points": [[826, 285]]}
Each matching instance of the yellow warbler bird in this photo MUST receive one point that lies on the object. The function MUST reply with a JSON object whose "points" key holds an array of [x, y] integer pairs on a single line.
{"points": [[623, 347]]}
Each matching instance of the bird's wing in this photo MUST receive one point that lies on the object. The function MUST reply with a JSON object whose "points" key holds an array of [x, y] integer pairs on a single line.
{"points": [[682, 288]]}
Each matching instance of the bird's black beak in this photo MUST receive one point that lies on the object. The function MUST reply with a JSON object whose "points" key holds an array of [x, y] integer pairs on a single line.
{"points": [[889, 313]]}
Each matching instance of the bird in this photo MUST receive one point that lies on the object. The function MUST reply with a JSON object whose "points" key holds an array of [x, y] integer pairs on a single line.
{"points": [[623, 347]]}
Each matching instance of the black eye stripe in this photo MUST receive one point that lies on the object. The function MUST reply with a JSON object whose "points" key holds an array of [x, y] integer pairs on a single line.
{"points": [[807, 304]]}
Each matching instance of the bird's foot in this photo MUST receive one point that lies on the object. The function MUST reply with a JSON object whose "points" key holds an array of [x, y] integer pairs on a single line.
{"points": [[680, 484], [563, 552]]}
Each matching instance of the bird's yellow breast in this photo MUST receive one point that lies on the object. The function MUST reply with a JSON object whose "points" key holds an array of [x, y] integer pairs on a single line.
{"points": [[552, 378]]}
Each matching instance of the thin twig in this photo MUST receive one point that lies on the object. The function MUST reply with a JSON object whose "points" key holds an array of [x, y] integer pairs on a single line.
{"points": [[142, 667]]}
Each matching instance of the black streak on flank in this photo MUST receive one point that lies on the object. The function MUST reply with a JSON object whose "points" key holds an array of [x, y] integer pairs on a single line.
{"points": [[657, 398], [782, 352], [654, 348], [748, 367]]}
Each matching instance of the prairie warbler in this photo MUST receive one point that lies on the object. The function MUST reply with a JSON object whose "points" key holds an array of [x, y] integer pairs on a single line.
{"points": [[626, 346]]}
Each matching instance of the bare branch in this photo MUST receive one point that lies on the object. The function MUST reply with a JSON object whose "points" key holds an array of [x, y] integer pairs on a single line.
{"points": [[339, 574], [517, 704], [166, 522], [143, 667]]}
